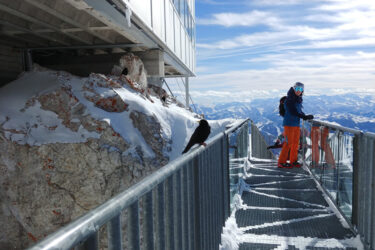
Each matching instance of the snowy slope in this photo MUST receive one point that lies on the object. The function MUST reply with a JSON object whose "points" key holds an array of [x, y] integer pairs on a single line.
{"points": [[354, 110], [24, 120]]}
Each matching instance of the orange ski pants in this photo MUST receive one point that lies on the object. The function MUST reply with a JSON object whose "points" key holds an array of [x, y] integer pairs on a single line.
{"points": [[291, 145]]}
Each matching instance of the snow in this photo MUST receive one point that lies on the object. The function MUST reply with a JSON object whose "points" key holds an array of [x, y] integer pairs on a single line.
{"points": [[30, 124], [33, 125]]}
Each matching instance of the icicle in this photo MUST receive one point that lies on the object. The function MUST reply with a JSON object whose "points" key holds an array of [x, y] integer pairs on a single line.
{"points": [[128, 12]]}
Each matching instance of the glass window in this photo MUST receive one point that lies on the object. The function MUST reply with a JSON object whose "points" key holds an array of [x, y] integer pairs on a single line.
{"points": [[182, 10], [177, 5], [186, 16]]}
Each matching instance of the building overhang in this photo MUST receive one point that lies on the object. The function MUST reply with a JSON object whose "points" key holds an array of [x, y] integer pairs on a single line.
{"points": [[79, 28]]}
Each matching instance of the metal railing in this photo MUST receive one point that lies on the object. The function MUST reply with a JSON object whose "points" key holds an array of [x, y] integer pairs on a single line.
{"points": [[259, 145], [343, 161], [238, 155], [183, 205]]}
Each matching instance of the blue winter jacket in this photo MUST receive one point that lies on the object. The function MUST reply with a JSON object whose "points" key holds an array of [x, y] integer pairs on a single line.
{"points": [[293, 109]]}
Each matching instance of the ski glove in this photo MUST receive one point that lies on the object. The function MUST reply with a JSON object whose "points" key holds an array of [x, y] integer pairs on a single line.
{"points": [[308, 117]]}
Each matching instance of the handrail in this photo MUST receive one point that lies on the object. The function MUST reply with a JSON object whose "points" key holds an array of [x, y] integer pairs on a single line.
{"points": [[372, 135], [259, 145], [88, 224], [334, 126], [236, 125]]}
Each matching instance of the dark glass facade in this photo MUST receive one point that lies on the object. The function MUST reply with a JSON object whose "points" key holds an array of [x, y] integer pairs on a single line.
{"points": [[186, 16]]}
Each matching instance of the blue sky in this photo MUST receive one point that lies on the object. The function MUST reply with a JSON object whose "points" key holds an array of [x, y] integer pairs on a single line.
{"points": [[261, 46]]}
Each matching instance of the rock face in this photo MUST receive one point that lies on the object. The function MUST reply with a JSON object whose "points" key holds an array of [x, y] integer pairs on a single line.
{"points": [[135, 69], [44, 186]]}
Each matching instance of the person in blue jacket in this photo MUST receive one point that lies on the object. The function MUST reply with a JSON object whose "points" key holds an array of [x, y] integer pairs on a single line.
{"points": [[291, 123]]}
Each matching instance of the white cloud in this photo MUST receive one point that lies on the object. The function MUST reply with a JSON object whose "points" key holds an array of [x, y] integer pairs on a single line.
{"points": [[275, 2], [294, 48], [340, 5], [257, 39], [241, 19], [317, 70], [347, 23], [343, 43]]}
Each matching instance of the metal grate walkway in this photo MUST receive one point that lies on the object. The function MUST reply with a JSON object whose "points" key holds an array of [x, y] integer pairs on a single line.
{"points": [[284, 209]]}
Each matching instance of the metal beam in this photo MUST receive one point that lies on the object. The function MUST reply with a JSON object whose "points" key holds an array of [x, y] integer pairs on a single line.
{"points": [[29, 18], [187, 95], [178, 66], [65, 30], [97, 46], [69, 20], [26, 41], [29, 31], [108, 15]]}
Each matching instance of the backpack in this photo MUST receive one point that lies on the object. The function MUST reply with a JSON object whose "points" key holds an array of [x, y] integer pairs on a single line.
{"points": [[281, 106]]}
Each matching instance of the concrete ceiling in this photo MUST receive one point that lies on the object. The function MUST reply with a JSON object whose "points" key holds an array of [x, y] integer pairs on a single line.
{"points": [[74, 24]]}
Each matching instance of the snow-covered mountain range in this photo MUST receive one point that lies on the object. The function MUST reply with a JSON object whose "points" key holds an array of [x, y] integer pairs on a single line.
{"points": [[350, 110]]}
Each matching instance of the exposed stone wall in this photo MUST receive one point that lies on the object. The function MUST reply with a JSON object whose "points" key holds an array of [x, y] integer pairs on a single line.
{"points": [[45, 187]]}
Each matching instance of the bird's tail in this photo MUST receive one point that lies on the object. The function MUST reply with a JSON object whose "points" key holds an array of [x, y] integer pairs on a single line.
{"points": [[187, 148]]}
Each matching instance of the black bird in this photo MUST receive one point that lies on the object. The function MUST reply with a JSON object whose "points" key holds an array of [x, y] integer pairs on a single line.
{"points": [[200, 134]]}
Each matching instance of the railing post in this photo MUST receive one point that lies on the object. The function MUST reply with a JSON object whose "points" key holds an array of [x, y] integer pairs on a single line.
{"points": [[355, 193], [160, 223], [148, 225], [133, 226], [225, 177], [169, 214], [177, 210], [191, 206], [372, 186], [197, 205], [185, 201], [92, 242], [114, 233], [339, 135]]}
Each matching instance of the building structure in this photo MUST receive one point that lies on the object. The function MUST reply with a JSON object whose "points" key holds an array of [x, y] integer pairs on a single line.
{"points": [[84, 36]]}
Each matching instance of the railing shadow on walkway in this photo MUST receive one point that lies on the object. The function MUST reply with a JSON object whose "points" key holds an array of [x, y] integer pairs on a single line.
{"points": [[183, 205]]}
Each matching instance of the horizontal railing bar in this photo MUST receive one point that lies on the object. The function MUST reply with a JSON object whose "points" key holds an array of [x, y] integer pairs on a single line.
{"points": [[70, 235], [369, 134], [235, 125], [334, 126]]}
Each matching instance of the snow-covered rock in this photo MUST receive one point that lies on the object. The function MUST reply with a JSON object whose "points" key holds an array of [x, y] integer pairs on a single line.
{"points": [[67, 144], [136, 71]]}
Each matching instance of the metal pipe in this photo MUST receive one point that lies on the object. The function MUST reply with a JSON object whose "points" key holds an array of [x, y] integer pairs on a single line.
{"points": [[148, 219], [185, 208], [27, 60], [160, 223], [177, 209], [114, 233], [170, 232], [187, 95], [334, 126], [191, 205], [197, 205], [92, 242], [96, 46], [133, 226]]}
